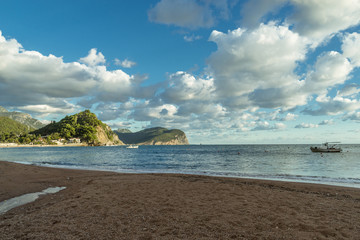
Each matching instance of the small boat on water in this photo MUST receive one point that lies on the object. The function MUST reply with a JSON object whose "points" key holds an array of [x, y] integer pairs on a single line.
{"points": [[132, 146], [330, 147]]}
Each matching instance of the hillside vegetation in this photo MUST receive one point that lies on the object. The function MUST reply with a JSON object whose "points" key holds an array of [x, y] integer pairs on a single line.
{"points": [[11, 129], [84, 128], [153, 136], [22, 118], [84, 125]]}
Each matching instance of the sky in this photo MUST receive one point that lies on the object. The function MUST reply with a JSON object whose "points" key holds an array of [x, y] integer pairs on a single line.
{"points": [[223, 71]]}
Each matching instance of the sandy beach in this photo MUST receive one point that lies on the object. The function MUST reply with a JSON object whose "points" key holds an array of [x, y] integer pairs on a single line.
{"points": [[107, 205]]}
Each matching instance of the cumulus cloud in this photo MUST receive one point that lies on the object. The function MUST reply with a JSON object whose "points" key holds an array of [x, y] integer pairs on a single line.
{"points": [[321, 19], [42, 108], [183, 86], [350, 48], [354, 116], [93, 58], [317, 20], [331, 68], [267, 126], [287, 117], [333, 106], [32, 78], [120, 125], [28, 78], [258, 62], [253, 11], [112, 111], [125, 63], [149, 113], [327, 122], [307, 125], [203, 109], [255, 68], [350, 90]]}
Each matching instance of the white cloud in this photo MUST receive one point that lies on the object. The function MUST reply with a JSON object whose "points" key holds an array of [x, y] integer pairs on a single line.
{"points": [[30, 79], [327, 122], [183, 86], [253, 11], [350, 90], [350, 48], [113, 85], [267, 126], [254, 69], [317, 20], [47, 111], [120, 125], [289, 117], [112, 111], [333, 106], [164, 112], [93, 58], [191, 38], [354, 116], [125, 63], [42, 108], [203, 110], [331, 68], [321, 19], [261, 61], [307, 125]]}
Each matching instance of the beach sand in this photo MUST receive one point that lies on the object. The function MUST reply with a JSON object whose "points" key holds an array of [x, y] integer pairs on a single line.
{"points": [[107, 205]]}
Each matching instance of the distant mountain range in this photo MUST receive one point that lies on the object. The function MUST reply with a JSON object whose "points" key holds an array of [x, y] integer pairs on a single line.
{"points": [[10, 126], [153, 136], [87, 127], [22, 118]]}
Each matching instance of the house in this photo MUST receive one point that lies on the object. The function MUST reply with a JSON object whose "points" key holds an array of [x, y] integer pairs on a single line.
{"points": [[74, 140]]}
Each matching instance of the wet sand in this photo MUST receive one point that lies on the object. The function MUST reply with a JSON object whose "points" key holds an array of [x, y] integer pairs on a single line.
{"points": [[107, 205]]}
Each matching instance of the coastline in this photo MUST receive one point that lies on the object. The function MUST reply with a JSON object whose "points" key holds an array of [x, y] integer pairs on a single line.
{"points": [[108, 205], [14, 145]]}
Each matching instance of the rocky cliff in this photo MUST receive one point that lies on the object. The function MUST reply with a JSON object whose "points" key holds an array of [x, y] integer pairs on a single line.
{"points": [[106, 139], [153, 136], [22, 118], [178, 140]]}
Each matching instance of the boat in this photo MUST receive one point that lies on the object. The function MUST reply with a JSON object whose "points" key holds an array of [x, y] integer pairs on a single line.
{"points": [[132, 146], [330, 147]]}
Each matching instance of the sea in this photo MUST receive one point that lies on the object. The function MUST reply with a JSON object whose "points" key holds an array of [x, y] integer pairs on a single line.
{"points": [[292, 163]]}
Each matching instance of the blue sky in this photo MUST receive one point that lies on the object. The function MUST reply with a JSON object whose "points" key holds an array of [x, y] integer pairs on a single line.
{"points": [[224, 71]]}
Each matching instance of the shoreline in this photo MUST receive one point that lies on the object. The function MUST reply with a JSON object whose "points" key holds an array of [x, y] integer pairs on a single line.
{"points": [[108, 205], [14, 145], [272, 179]]}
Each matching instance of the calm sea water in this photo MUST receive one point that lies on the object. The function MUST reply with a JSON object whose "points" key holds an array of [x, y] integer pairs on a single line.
{"points": [[277, 162]]}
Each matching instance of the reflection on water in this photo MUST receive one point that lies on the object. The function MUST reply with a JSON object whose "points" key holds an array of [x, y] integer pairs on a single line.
{"points": [[281, 162]]}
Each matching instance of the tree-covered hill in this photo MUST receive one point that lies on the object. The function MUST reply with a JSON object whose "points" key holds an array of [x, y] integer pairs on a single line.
{"points": [[84, 125], [153, 136], [10, 126]]}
